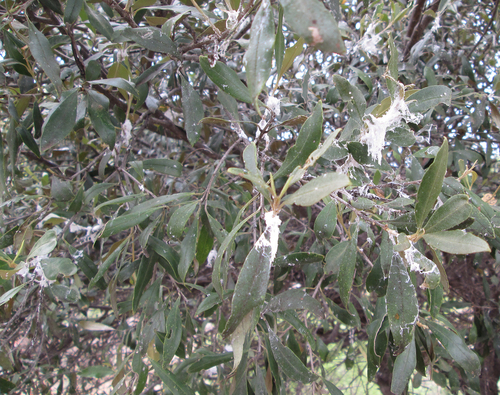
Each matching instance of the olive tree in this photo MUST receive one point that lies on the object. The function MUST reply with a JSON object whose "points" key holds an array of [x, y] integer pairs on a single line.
{"points": [[293, 196]]}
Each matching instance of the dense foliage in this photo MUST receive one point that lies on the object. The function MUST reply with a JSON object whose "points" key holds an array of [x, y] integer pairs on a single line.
{"points": [[245, 196]]}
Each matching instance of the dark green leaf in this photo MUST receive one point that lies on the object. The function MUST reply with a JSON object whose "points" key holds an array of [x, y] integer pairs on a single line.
{"points": [[298, 258], [98, 107], [193, 111], [326, 221], [403, 368], [118, 83], [72, 10], [346, 272], [332, 388], [42, 52], [151, 38], [456, 347], [402, 304], [209, 361], [288, 361], [59, 123], [99, 22], [144, 275], [126, 221], [174, 333], [188, 249], [351, 93], [28, 140], [163, 166], [179, 218], [259, 55], [226, 79], [171, 381], [431, 185], [110, 259], [294, 299], [308, 140], [456, 242], [337, 254], [453, 212]]}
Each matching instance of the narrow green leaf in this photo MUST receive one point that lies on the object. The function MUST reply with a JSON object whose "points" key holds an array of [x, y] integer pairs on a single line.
{"points": [[403, 368], [350, 93], [326, 221], [72, 10], [179, 218], [279, 46], [111, 258], [192, 108], [59, 123], [402, 304], [346, 272], [37, 120], [307, 141], [151, 38], [298, 258], [312, 21], [10, 294], [255, 178], [452, 213], [332, 388], [163, 166], [218, 279], [44, 245], [209, 361], [172, 381], [250, 159], [317, 189], [99, 22], [431, 185], [428, 98], [258, 58], [226, 79], [250, 290], [144, 275], [456, 347], [42, 52], [98, 107], [481, 225], [28, 139], [290, 55], [337, 254], [158, 202], [289, 363], [294, 299], [95, 190], [188, 249], [173, 333], [126, 221], [96, 372], [456, 242], [118, 83]]}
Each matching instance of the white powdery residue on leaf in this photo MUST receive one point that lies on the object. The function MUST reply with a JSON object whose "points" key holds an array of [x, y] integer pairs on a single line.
{"points": [[268, 240], [212, 256], [375, 129], [124, 138], [91, 231], [232, 19], [369, 41]]}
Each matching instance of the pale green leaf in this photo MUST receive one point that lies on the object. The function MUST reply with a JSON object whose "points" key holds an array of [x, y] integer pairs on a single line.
{"points": [[428, 98], [456, 242], [192, 108], [60, 121], [151, 38], [326, 221], [226, 79], [452, 213], [402, 304], [312, 21], [258, 58], [42, 52], [404, 365], [289, 363], [317, 189]]}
